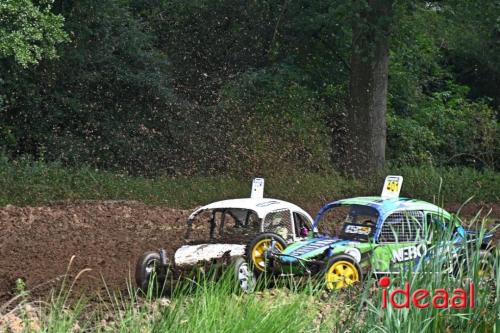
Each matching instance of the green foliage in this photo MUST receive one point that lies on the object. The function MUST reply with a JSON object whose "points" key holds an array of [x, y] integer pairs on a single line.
{"points": [[453, 184], [20, 286], [217, 306], [431, 118], [447, 129], [281, 122], [29, 31], [415, 67], [27, 182], [472, 46], [105, 102], [307, 36], [209, 41], [210, 303], [207, 88]]}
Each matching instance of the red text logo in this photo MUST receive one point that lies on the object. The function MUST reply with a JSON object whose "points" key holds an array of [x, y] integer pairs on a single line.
{"points": [[423, 298]]}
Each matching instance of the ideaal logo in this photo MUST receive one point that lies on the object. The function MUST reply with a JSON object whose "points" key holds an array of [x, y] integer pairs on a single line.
{"points": [[422, 298]]}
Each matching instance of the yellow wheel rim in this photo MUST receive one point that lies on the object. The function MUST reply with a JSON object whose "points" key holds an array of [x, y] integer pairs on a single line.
{"points": [[341, 274], [485, 271], [258, 259]]}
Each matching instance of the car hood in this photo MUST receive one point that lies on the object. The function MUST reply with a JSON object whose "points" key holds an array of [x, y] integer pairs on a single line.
{"points": [[313, 247]]}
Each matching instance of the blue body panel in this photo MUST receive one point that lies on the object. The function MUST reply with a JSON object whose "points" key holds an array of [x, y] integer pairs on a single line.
{"points": [[384, 208], [313, 244], [318, 245]]}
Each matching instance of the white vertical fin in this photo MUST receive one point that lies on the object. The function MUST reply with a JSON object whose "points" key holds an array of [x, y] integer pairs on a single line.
{"points": [[257, 188], [392, 187]]}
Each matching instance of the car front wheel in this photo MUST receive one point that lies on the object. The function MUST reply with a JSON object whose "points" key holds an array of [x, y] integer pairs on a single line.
{"points": [[150, 274], [342, 271], [258, 251]]}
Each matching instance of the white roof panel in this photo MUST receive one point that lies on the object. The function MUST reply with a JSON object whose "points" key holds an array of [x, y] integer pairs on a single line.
{"points": [[261, 206]]}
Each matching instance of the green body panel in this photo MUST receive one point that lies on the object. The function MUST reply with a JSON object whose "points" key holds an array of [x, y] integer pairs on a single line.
{"points": [[389, 257], [395, 204], [382, 256]]}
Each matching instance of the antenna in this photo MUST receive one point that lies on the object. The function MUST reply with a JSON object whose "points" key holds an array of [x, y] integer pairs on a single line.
{"points": [[257, 188]]}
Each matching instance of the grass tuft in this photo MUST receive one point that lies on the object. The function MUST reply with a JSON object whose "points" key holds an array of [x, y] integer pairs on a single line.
{"points": [[27, 182]]}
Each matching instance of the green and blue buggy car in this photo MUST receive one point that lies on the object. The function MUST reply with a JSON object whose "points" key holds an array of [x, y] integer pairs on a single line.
{"points": [[378, 235]]}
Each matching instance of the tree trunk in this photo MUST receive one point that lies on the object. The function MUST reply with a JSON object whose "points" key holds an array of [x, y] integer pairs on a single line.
{"points": [[366, 126]]}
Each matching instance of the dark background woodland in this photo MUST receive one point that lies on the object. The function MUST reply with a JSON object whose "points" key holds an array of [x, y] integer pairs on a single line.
{"points": [[207, 87]]}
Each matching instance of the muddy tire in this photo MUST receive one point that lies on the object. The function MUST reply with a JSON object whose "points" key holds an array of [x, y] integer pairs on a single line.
{"points": [[486, 270], [245, 277], [485, 266], [150, 276], [342, 271], [256, 248]]}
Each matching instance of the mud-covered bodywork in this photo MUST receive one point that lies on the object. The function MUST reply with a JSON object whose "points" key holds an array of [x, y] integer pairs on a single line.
{"points": [[217, 234], [239, 220], [255, 215]]}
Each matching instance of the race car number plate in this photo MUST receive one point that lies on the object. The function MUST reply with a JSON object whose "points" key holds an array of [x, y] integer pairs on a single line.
{"points": [[392, 187]]}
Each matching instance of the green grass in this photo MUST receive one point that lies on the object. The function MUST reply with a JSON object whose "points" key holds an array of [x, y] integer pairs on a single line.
{"points": [[215, 305], [484, 317], [209, 304], [26, 182]]}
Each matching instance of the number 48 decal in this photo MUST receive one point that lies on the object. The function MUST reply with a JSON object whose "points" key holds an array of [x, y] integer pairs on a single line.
{"points": [[392, 187]]}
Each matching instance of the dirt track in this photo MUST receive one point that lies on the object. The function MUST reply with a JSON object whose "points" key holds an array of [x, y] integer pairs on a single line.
{"points": [[36, 243]]}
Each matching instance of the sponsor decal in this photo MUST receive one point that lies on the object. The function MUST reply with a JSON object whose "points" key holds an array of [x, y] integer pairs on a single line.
{"points": [[356, 229], [267, 203], [409, 253]]}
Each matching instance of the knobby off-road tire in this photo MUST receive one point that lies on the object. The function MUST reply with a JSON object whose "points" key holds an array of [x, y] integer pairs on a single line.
{"points": [[150, 275], [486, 265], [244, 275], [342, 271], [256, 248]]}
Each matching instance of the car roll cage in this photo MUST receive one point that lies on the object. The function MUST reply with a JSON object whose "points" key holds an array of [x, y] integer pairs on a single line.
{"points": [[213, 222]]}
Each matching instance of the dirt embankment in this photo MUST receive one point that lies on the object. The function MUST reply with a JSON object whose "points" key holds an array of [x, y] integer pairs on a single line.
{"points": [[36, 243]]}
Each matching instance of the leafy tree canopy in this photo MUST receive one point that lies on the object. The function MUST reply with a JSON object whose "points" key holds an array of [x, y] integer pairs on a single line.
{"points": [[29, 31], [218, 86]]}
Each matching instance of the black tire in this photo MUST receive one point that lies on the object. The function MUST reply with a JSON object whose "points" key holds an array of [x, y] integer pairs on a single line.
{"points": [[356, 275], [264, 265], [244, 275], [486, 265], [146, 265]]}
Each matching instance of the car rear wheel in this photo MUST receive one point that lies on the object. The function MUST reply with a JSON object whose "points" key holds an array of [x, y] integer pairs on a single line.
{"points": [[486, 270]]}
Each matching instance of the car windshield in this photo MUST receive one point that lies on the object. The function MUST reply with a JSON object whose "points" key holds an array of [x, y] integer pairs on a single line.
{"points": [[353, 222], [222, 225]]}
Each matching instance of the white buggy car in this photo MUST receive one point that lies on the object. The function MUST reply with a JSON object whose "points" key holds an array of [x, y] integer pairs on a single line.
{"points": [[231, 224]]}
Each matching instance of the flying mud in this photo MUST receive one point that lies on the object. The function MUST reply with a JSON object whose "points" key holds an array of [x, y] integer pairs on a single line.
{"points": [[37, 243]]}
